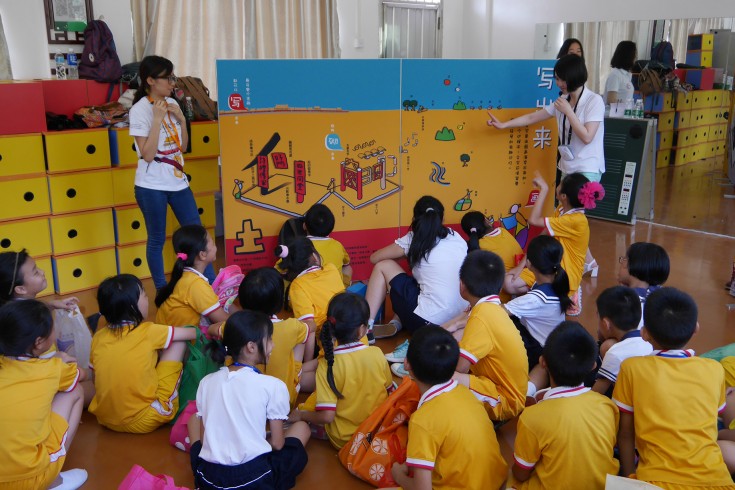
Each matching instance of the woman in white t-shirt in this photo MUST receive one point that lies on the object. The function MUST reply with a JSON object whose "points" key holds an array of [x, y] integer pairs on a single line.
{"points": [[430, 296], [619, 85], [159, 129]]}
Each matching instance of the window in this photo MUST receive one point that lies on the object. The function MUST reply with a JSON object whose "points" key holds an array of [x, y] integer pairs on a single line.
{"points": [[411, 29]]}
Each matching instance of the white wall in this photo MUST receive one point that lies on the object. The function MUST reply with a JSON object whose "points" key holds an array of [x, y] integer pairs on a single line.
{"points": [[24, 22]]}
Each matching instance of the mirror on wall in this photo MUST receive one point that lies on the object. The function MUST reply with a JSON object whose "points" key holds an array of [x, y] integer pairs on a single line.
{"points": [[688, 195]]}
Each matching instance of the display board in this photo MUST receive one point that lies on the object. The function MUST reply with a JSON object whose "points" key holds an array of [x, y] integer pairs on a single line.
{"points": [[367, 138], [628, 144]]}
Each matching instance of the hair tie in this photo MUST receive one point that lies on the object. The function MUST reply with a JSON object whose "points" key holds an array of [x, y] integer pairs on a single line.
{"points": [[332, 320], [473, 230], [284, 252], [428, 209], [589, 193], [225, 349], [182, 256]]}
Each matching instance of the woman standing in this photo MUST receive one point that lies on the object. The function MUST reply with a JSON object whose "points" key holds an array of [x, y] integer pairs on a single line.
{"points": [[571, 46], [619, 85], [159, 129]]}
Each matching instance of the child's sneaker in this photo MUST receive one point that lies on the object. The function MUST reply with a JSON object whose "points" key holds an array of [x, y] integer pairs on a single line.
{"points": [[385, 330], [399, 370], [71, 479], [399, 353]]}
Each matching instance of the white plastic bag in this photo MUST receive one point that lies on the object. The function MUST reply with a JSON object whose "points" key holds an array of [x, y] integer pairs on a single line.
{"points": [[73, 335]]}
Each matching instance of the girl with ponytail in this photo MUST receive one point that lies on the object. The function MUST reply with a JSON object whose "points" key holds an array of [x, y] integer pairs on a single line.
{"points": [[352, 379], [229, 448], [188, 295]]}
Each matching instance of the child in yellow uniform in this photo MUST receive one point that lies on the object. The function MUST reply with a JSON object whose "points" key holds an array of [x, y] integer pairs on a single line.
{"points": [[451, 442], [491, 348], [496, 240], [313, 284], [567, 439], [352, 379], [569, 225], [318, 224], [188, 295], [42, 402], [137, 364], [669, 402], [262, 290]]}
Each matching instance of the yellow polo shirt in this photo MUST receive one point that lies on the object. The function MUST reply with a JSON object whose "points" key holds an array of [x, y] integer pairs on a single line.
{"points": [[675, 398], [567, 438], [192, 298], [451, 435], [504, 245], [287, 334], [573, 232], [363, 376], [332, 252], [499, 366], [311, 292]]}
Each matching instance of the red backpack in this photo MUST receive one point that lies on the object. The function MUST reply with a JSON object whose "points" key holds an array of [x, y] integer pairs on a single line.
{"points": [[99, 59]]}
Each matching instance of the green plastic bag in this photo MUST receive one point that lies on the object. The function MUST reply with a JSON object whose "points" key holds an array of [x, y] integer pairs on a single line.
{"points": [[720, 353], [197, 364]]}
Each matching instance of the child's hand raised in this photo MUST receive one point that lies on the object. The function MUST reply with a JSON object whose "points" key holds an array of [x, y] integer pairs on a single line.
{"points": [[538, 181]]}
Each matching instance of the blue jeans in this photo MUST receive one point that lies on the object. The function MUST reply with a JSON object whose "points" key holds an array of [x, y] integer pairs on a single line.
{"points": [[154, 205]]}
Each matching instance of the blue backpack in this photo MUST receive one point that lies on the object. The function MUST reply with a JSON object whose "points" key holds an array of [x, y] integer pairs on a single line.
{"points": [[663, 52], [99, 59]]}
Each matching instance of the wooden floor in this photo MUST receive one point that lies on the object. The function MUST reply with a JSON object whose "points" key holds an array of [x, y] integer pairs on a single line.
{"points": [[701, 264]]}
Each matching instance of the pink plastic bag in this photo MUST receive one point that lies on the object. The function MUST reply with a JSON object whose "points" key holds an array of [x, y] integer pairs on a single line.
{"points": [[139, 479], [226, 286], [179, 437]]}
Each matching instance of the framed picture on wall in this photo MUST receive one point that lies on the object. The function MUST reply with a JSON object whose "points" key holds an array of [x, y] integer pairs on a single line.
{"points": [[66, 20]]}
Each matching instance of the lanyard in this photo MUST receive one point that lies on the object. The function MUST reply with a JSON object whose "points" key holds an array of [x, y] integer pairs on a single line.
{"points": [[564, 121], [239, 364], [170, 128]]}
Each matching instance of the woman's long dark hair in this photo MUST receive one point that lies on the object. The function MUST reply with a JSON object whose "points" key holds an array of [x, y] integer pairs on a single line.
{"points": [[545, 253], [427, 227], [188, 240], [151, 66]]}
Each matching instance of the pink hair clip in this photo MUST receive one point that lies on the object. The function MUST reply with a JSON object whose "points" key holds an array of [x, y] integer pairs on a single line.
{"points": [[473, 230], [284, 252], [182, 256], [589, 193]]}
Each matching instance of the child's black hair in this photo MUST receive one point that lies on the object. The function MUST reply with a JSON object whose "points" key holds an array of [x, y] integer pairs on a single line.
{"points": [[624, 55], [482, 273], [188, 240], [319, 220], [572, 70], [346, 313], [648, 262], [620, 305], [433, 355], [572, 184], [545, 253], [473, 224], [117, 297], [427, 227], [21, 324], [262, 290], [670, 317], [570, 353], [10, 275], [241, 328], [296, 256], [564, 50]]}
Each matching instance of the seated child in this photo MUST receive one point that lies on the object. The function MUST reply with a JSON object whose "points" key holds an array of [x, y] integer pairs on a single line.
{"points": [[352, 379], [262, 290], [229, 446], [537, 313], [42, 402], [188, 295], [313, 284], [567, 439], [669, 402], [137, 364], [318, 224], [491, 348], [619, 312], [645, 268], [497, 240], [451, 442]]}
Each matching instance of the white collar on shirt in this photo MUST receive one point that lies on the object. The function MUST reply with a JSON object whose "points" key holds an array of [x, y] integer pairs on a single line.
{"points": [[312, 237], [674, 353], [495, 232], [573, 210], [350, 347], [310, 269], [565, 391], [191, 269], [493, 298], [437, 390]]}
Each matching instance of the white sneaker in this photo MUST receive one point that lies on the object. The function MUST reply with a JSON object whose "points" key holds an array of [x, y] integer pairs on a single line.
{"points": [[71, 479]]}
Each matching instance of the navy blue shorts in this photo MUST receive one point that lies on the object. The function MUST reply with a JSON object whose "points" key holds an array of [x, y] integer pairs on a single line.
{"points": [[276, 469], [404, 296]]}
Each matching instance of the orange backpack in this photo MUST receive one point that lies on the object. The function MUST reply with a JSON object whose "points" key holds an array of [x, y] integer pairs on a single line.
{"points": [[382, 438]]}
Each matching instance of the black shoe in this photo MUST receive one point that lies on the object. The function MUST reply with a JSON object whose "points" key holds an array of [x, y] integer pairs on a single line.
{"points": [[371, 338]]}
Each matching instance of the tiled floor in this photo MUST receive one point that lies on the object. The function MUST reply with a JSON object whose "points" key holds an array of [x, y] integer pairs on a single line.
{"points": [[701, 264]]}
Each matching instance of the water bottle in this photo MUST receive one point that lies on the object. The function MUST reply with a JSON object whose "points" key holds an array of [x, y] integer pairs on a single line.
{"points": [[188, 109], [72, 71], [60, 65], [628, 108], [639, 109]]}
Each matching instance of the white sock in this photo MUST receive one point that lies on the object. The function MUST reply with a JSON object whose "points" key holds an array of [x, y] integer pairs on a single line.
{"points": [[531, 389], [371, 322]]}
